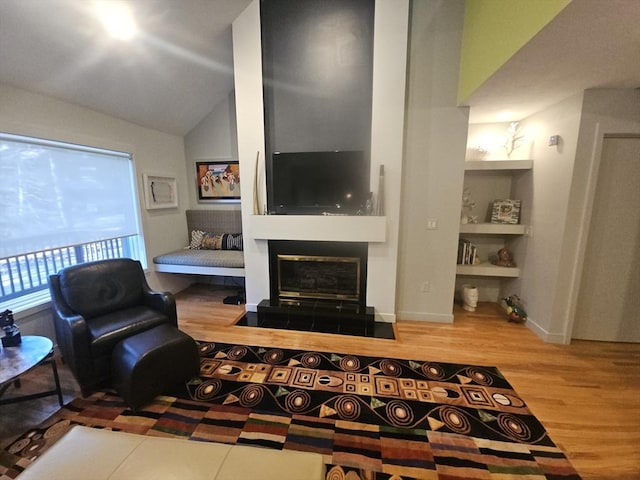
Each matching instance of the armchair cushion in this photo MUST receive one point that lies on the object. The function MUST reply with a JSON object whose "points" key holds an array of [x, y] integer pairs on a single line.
{"points": [[105, 287], [108, 329]]}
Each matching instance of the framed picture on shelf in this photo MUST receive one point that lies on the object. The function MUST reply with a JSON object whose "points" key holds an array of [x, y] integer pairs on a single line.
{"points": [[218, 180], [160, 191], [505, 211]]}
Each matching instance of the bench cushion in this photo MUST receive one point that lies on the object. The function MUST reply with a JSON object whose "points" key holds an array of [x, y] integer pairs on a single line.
{"points": [[203, 258]]}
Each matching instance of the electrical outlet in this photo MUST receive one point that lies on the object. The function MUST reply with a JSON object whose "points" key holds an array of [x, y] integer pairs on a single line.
{"points": [[426, 287], [432, 223]]}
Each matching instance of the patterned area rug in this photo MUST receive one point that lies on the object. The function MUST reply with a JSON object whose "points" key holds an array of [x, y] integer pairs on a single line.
{"points": [[371, 418]]}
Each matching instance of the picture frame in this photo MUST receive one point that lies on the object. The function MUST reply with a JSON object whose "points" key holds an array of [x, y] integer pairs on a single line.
{"points": [[506, 211], [160, 191], [218, 180]]}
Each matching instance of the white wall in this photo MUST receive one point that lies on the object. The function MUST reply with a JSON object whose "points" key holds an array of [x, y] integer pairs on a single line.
{"points": [[215, 137], [604, 111], [154, 152], [540, 256], [435, 139], [562, 193]]}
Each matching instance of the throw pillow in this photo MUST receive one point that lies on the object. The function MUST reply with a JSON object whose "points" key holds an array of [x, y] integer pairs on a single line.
{"points": [[215, 241], [196, 239]]}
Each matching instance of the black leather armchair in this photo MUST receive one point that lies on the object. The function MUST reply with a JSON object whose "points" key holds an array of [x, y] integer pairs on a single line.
{"points": [[96, 305]]}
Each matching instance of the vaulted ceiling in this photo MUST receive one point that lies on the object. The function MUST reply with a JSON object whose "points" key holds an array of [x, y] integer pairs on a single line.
{"points": [[180, 66], [168, 78], [590, 44]]}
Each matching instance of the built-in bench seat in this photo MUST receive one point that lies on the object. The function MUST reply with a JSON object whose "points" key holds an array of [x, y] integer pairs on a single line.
{"points": [[229, 263]]}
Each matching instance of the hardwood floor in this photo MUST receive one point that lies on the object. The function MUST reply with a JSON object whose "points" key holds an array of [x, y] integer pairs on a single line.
{"points": [[586, 394]]}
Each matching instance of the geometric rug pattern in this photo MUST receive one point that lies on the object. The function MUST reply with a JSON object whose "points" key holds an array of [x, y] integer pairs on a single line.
{"points": [[371, 418]]}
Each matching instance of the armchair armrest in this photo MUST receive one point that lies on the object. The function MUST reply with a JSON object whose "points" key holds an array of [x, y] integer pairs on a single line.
{"points": [[71, 333], [161, 301]]}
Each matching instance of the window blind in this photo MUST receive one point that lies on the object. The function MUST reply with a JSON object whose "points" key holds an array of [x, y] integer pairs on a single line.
{"points": [[55, 194]]}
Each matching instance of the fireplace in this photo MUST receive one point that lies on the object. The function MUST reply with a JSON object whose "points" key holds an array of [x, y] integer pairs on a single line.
{"points": [[317, 282], [329, 273]]}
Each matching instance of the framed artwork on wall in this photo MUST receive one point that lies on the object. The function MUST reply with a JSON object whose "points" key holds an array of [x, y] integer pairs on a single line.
{"points": [[160, 191], [218, 180]]}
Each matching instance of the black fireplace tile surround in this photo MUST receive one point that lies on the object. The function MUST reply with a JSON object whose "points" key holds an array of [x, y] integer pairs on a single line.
{"points": [[318, 320]]}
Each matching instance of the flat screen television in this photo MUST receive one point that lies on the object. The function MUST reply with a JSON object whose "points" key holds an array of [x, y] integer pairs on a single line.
{"points": [[316, 183]]}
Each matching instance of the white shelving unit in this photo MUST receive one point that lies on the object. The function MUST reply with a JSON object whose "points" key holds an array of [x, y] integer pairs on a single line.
{"points": [[488, 270], [497, 165], [493, 229], [489, 180]]}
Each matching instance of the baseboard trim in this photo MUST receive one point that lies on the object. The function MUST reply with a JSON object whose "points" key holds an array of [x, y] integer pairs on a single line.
{"points": [[543, 333], [426, 317], [385, 317]]}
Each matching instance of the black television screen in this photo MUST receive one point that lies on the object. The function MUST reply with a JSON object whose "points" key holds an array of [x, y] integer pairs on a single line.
{"points": [[313, 183]]}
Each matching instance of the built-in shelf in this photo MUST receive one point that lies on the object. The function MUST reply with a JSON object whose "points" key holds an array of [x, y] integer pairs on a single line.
{"points": [[493, 229], [487, 270], [495, 165], [486, 185], [331, 228]]}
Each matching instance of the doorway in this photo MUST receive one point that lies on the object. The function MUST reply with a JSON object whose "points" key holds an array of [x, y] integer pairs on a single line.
{"points": [[608, 305]]}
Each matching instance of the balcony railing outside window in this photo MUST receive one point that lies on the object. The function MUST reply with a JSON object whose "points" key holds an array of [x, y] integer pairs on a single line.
{"points": [[29, 273]]}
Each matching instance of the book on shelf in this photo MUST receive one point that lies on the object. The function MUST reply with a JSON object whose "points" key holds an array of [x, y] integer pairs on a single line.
{"points": [[467, 252]]}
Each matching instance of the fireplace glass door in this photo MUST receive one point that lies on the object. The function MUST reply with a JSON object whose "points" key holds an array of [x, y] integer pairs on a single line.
{"points": [[318, 277]]}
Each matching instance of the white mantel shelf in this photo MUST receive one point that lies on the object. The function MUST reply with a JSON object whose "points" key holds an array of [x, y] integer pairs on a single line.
{"points": [[319, 228]]}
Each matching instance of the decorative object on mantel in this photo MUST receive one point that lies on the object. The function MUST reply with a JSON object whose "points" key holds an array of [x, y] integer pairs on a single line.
{"points": [[504, 258], [256, 201], [467, 206], [514, 138], [505, 211], [380, 209], [513, 307], [368, 208]]}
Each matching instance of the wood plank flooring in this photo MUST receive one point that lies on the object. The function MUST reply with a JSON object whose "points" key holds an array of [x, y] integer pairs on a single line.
{"points": [[586, 394]]}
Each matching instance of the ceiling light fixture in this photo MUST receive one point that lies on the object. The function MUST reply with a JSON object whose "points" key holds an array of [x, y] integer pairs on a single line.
{"points": [[117, 19]]}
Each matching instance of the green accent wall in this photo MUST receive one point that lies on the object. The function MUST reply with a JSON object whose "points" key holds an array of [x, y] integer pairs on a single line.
{"points": [[494, 30]]}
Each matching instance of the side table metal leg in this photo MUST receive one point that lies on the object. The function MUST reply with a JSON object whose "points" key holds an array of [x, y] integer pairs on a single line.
{"points": [[57, 380]]}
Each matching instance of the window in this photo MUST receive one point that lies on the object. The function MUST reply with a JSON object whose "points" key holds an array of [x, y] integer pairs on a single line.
{"points": [[60, 205]]}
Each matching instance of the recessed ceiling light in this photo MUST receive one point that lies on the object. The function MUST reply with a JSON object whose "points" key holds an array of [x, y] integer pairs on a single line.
{"points": [[116, 18]]}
